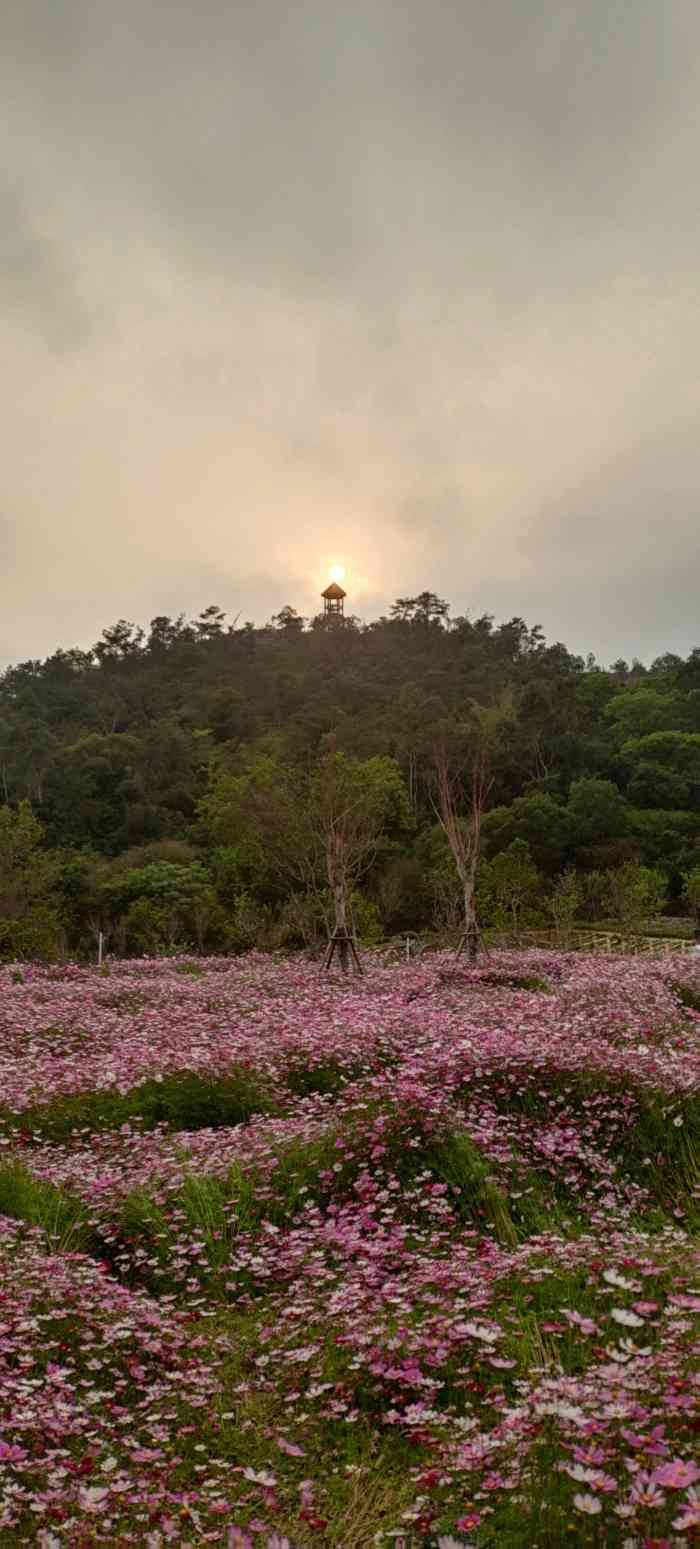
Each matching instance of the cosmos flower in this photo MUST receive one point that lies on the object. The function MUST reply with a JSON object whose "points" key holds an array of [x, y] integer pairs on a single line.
{"points": [[382, 1263], [588, 1504]]}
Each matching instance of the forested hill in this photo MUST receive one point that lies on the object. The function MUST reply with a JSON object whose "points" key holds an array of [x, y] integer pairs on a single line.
{"points": [[116, 748]]}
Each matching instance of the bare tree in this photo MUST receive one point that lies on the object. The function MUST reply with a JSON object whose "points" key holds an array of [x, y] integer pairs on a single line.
{"points": [[459, 802], [460, 812]]}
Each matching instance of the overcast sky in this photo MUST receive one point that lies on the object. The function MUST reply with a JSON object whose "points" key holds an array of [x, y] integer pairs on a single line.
{"points": [[409, 285]]}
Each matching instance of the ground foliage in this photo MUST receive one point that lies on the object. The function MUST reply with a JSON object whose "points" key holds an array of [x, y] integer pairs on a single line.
{"points": [[406, 1260]]}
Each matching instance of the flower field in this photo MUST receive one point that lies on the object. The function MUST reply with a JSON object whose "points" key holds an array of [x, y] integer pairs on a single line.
{"points": [[404, 1261]]}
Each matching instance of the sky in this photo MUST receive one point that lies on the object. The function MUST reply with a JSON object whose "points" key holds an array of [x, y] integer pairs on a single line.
{"points": [[409, 287]]}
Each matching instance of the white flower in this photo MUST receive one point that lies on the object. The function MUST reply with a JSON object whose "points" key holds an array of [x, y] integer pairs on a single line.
{"points": [[629, 1346], [92, 1497], [588, 1503], [478, 1331], [630, 1319], [579, 1473], [264, 1478], [563, 1411], [613, 1277]]}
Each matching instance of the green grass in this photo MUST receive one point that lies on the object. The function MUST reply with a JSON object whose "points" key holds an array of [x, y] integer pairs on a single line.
{"points": [[218, 1209], [517, 982], [63, 1218], [475, 1194], [661, 1150], [184, 1100], [540, 1514], [355, 1505], [687, 995], [327, 1078], [146, 1235]]}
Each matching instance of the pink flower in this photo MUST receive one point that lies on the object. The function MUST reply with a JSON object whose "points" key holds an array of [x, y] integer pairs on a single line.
{"points": [[645, 1493], [290, 1448], [676, 1475], [690, 1512]]}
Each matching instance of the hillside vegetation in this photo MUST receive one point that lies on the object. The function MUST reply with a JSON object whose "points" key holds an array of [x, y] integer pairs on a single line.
{"points": [[126, 774]]}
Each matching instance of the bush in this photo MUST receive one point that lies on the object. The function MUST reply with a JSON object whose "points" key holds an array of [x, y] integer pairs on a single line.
{"points": [[634, 893], [509, 889], [248, 923], [366, 919], [36, 934]]}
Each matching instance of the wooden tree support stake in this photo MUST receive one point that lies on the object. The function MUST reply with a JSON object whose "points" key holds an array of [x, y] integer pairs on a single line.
{"points": [[470, 942], [343, 943]]}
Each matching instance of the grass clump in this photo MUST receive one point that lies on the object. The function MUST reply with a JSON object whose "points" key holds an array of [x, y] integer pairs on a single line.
{"points": [[687, 995], [326, 1079], [130, 1001], [184, 1100], [476, 1194], [62, 1218], [517, 982], [661, 1150], [214, 1212]]}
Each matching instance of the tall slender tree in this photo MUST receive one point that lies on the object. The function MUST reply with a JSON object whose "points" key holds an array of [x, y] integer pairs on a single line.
{"points": [[460, 812], [462, 782]]}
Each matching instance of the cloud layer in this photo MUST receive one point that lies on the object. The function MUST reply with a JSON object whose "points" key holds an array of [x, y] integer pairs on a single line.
{"points": [[411, 287]]}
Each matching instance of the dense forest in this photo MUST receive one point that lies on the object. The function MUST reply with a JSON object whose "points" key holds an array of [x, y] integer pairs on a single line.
{"points": [[127, 771]]}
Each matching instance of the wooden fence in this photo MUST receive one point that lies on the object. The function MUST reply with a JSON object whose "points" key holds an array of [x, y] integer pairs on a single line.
{"points": [[579, 940], [576, 940]]}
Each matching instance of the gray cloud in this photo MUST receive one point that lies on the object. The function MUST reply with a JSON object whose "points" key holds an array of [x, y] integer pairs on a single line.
{"points": [[411, 287], [37, 285]]}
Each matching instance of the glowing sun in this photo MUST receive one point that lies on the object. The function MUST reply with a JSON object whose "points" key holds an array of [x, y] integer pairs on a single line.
{"points": [[337, 573]]}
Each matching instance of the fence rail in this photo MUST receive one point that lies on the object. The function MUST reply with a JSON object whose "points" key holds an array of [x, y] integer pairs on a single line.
{"points": [[594, 941], [578, 939]]}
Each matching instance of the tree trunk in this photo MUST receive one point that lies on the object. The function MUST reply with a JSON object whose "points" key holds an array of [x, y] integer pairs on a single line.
{"points": [[341, 924], [471, 930]]}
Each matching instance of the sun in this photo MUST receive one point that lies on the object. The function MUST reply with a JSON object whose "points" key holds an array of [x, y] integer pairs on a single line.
{"points": [[337, 573]]}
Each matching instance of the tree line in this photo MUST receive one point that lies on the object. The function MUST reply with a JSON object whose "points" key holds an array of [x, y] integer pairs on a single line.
{"points": [[217, 785]]}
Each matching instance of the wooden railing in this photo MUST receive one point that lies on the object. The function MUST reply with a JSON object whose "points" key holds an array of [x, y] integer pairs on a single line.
{"points": [[582, 940], [578, 939]]}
